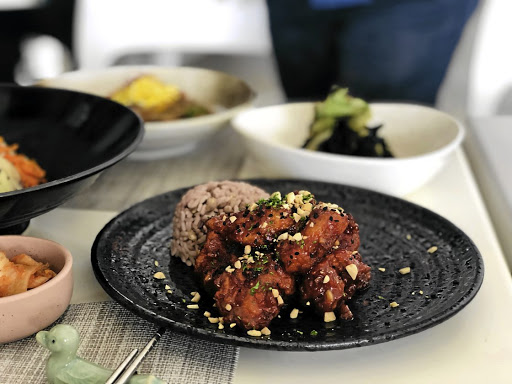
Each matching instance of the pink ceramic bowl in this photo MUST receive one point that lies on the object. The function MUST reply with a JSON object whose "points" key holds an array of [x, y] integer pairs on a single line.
{"points": [[26, 313]]}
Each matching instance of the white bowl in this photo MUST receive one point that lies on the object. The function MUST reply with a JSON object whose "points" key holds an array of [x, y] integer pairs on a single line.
{"points": [[224, 94], [421, 139]]}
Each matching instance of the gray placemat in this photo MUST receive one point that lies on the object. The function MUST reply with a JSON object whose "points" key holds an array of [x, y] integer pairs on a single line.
{"points": [[108, 334]]}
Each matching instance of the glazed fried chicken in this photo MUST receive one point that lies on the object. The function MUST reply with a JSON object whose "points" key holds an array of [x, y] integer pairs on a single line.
{"points": [[349, 239], [255, 227], [214, 257], [254, 259], [334, 280], [251, 295], [321, 233]]}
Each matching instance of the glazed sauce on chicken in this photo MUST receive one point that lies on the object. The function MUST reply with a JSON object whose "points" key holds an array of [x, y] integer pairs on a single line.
{"points": [[293, 246]]}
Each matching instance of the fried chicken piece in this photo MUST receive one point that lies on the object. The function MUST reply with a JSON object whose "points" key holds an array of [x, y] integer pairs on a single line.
{"points": [[213, 259], [323, 287], [252, 259], [255, 228], [341, 259], [328, 285], [247, 296], [321, 233], [350, 238]]}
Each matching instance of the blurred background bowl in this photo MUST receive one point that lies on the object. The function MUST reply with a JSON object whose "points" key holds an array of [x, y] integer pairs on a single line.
{"points": [[73, 136], [224, 94], [421, 139], [26, 313]]}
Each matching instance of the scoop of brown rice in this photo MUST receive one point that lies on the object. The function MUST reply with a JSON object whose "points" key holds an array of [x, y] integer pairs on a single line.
{"points": [[199, 204]]}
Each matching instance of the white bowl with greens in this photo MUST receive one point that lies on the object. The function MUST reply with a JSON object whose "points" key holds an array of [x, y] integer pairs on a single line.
{"points": [[420, 138]]}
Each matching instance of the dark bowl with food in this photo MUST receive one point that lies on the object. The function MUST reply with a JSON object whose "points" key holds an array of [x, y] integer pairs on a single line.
{"points": [[72, 137]]}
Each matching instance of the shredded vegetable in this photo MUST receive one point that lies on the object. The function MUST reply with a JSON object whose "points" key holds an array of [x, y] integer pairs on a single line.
{"points": [[31, 173]]}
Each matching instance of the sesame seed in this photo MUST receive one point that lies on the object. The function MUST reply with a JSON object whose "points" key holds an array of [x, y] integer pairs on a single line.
{"points": [[280, 300], [254, 333], [405, 271], [193, 306], [326, 279], [230, 269], [329, 317], [247, 249], [329, 295], [393, 304], [382, 269], [408, 237], [420, 292], [232, 219], [275, 292], [167, 286], [432, 249], [207, 314], [159, 276], [228, 307], [237, 264], [308, 303], [157, 263], [232, 325], [294, 313], [213, 320], [265, 331]]}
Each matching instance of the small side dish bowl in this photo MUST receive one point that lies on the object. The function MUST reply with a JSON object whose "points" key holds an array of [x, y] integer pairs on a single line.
{"points": [[225, 95], [26, 313], [421, 139]]}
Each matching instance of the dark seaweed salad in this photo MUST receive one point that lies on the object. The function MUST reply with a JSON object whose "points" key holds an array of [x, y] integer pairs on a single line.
{"points": [[341, 126]]}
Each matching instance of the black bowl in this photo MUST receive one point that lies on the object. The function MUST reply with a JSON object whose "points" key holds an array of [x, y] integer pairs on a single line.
{"points": [[72, 135]]}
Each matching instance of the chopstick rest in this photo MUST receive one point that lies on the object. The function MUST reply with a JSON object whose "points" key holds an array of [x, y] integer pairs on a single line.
{"points": [[64, 366]]}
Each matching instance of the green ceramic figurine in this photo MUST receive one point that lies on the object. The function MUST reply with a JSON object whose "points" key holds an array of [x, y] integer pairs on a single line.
{"points": [[65, 367]]}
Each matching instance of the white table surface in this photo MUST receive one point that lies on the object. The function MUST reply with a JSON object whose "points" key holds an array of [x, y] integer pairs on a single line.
{"points": [[474, 346], [489, 147]]}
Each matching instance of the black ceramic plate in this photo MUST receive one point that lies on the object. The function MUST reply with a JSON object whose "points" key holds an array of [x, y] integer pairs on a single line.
{"points": [[394, 234]]}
